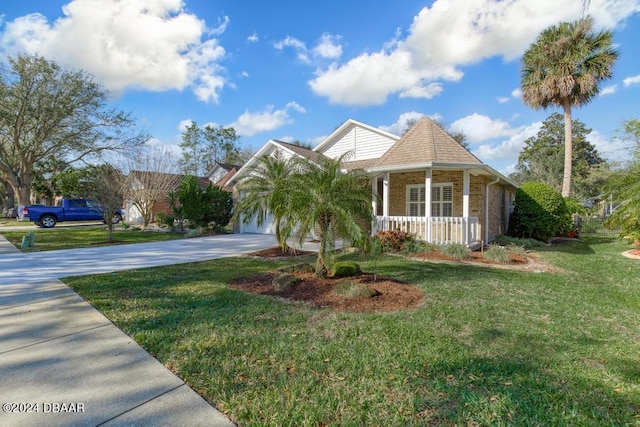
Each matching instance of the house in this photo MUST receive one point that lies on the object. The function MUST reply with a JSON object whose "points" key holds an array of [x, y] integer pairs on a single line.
{"points": [[221, 173], [424, 182], [154, 188]]}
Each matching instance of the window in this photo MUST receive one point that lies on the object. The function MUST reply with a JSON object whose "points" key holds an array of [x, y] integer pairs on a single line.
{"points": [[442, 199], [415, 200]]}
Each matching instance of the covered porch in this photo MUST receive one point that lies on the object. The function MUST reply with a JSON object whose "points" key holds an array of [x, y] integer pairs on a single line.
{"points": [[437, 230], [435, 205]]}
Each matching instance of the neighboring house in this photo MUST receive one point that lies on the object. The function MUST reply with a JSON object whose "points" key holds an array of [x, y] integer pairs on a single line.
{"points": [[425, 181], [154, 185], [221, 173]]}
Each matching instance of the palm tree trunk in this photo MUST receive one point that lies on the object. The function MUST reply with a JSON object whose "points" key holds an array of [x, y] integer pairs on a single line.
{"points": [[568, 150], [321, 262]]}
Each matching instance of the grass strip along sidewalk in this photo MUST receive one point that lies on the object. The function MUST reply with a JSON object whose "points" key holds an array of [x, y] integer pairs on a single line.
{"points": [[487, 347]]}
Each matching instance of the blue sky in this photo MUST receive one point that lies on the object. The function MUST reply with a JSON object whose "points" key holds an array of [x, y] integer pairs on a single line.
{"points": [[294, 70]]}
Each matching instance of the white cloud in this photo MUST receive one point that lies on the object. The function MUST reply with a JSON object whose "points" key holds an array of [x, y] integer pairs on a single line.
{"points": [[609, 90], [629, 81], [400, 126], [184, 124], [427, 92], [290, 42], [478, 127], [328, 47], [221, 28], [447, 36], [503, 99], [612, 149], [253, 38], [507, 150], [251, 123], [516, 93], [153, 46]]}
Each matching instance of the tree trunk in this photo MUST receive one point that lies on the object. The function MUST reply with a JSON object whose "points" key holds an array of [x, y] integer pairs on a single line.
{"points": [[568, 150], [24, 194], [321, 263]]}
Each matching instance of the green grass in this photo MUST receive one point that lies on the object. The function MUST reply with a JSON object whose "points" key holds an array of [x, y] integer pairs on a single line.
{"points": [[488, 347], [84, 236]]}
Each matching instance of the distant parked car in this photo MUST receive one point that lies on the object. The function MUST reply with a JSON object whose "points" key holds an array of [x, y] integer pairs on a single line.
{"points": [[12, 212]]}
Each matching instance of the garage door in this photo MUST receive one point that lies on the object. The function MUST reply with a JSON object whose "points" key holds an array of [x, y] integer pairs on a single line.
{"points": [[268, 227]]}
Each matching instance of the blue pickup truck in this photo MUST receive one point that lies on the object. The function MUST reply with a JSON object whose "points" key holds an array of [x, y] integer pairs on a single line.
{"points": [[66, 210]]}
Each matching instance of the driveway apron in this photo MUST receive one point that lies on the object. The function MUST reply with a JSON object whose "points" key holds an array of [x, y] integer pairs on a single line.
{"points": [[64, 363]]}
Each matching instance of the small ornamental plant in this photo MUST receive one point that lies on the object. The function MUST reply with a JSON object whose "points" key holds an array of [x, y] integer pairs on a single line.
{"points": [[394, 240]]}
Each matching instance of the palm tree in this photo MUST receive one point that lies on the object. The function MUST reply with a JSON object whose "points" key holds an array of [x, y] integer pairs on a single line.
{"points": [[267, 191], [564, 68], [332, 203]]}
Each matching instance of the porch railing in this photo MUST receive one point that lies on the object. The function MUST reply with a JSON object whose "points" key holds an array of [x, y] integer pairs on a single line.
{"points": [[440, 230]]}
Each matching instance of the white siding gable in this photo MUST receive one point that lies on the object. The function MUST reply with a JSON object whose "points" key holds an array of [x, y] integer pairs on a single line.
{"points": [[363, 144]]}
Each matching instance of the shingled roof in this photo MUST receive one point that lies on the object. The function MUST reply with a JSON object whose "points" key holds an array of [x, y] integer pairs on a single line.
{"points": [[427, 143]]}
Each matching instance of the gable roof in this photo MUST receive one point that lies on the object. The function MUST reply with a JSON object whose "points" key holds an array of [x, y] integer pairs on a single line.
{"points": [[329, 140], [270, 147], [310, 154]]}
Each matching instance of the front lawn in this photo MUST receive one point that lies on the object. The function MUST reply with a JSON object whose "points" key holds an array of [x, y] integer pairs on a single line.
{"points": [[488, 346], [52, 239]]}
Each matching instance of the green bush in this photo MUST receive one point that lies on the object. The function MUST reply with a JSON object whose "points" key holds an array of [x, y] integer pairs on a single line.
{"points": [[345, 269], [497, 253], [209, 207], [415, 246], [518, 250], [539, 212], [456, 251], [162, 219], [350, 289], [516, 241]]}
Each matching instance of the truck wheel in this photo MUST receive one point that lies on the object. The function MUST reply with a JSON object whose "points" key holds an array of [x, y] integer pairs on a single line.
{"points": [[116, 218], [48, 221]]}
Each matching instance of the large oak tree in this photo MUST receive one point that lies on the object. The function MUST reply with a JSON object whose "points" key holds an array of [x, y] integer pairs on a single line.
{"points": [[50, 114]]}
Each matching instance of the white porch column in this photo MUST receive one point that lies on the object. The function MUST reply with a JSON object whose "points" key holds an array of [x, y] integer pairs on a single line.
{"points": [[465, 204], [374, 195], [374, 204], [427, 203], [385, 195]]}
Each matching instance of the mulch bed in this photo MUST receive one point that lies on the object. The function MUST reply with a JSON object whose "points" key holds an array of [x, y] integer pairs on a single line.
{"points": [[394, 296]]}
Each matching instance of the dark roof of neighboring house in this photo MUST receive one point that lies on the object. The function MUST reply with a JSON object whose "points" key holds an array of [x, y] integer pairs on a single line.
{"points": [[222, 183], [228, 167]]}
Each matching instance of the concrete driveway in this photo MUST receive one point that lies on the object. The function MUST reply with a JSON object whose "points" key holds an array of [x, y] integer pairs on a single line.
{"points": [[64, 363]]}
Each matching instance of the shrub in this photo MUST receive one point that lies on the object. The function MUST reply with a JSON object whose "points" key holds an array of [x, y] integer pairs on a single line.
{"points": [[162, 219], [345, 268], [497, 253], [518, 250], [351, 289], [209, 207], [456, 251], [394, 240], [539, 212], [516, 241], [415, 246]]}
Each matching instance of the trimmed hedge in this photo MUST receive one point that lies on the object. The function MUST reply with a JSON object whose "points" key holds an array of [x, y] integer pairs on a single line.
{"points": [[345, 269], [539, 212]]}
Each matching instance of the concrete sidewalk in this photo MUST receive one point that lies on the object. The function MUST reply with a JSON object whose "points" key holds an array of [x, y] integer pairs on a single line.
{"points": [[64, 363]]}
